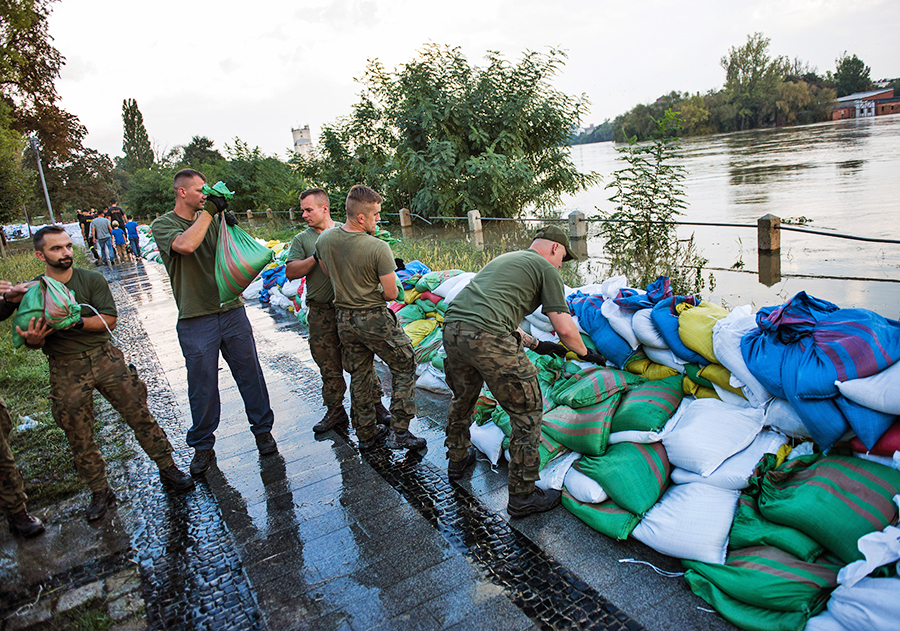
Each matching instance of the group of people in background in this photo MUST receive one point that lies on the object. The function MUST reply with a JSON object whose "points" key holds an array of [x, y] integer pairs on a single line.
{"points": [[350, 279], [110, 234]]}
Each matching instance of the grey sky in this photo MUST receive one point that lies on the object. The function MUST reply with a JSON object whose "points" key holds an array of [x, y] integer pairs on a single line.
{"points": [[253, 70]]}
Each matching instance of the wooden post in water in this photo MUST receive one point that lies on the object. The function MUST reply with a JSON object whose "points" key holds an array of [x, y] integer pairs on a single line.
{"points": [[769, 249], [577, 225], [250, 217]]}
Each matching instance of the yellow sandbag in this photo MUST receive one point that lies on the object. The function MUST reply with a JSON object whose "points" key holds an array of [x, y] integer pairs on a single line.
{"points": [[649, 369], [418, 330], [720, 376], [411, 296], [638, 366], [695, 325], [781, 455], [700, 392]]}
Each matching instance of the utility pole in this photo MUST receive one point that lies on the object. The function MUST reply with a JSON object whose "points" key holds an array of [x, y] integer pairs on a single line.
{"points": [[37, 156]]}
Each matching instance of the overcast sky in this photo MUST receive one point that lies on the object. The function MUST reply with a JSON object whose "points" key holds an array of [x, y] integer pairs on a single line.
{"points": [[254, 70]]}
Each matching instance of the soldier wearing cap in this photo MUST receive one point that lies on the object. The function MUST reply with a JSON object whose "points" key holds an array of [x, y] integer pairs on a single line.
{"points": [[484, 344]]}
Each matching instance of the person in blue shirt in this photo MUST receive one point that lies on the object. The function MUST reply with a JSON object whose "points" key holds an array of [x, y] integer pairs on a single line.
{"points": [[120, 241], [131, 229]]}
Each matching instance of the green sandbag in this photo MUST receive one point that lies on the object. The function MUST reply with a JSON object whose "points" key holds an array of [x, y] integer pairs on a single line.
{"points": [[585, 430], [647, 406], [431, 280], [634, 475], [48, 299], [484, 407], [239, 260], [410, 313], [770, 578], [590, 386], [606, 517], [692, 371], [741, 614], [751, 529], [833, 499], [548, 449], [438, 360], [429, 346]]}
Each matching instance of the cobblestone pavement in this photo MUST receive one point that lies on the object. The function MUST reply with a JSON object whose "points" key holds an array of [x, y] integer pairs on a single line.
{"points": [[322, 537]]}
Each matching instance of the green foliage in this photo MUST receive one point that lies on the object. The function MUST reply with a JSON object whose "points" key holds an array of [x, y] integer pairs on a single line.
{"points": [[441, 137], [259, 181], [135, 142], [600, 133], [648, 195], [81, 178], [150, 192], [851, 75], [199, 152], [751, 80], [14, 180]]}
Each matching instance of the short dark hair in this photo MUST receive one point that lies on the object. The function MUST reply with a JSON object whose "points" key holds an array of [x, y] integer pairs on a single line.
{"points": [[318, 192], [185, 174], [112, 201], [129, 217], [38, 238], [360, 195]]}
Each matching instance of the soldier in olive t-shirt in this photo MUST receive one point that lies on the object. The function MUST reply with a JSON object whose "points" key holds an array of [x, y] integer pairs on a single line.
{"points": [[355, 261]]}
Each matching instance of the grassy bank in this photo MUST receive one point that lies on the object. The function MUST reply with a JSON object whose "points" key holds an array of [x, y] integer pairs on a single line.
{"points": [[42, 452]]}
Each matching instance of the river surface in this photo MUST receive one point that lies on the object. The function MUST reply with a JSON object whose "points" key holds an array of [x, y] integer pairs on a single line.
{"points": [[843, 176]]}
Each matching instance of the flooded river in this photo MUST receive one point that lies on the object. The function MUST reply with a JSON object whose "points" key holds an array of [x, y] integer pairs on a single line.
{"points": [[843, 176]]}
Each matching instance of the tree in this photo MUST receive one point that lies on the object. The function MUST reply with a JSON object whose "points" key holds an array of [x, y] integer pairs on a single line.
{"points": [[441, 136], [82, 178], [751, 81], [14, 180], [150, 192], [695, 116], [136, 142], [852, 75], [199, 152], [648, 195]]}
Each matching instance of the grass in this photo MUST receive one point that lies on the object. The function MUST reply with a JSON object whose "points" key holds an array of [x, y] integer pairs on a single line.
{"points": [[42, 452]]}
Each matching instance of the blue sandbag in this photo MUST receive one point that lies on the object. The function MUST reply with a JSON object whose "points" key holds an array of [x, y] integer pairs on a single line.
{"points": [[665, 317], [608, 342]]}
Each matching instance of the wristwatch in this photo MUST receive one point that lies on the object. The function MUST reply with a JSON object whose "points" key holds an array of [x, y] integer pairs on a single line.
{"points": [[79, 325]]}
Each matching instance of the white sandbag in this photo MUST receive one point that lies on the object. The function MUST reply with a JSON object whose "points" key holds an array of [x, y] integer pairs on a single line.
{"points": [[872, 604], [584, 488], [735, 472], [449, 285], [290, 288], [253, 289], [727, 334], [609, 288], [538, 320], [637, 436], [620, 321], [824, 622], [885, 460], [665, 357], [645, 330], [432, 380], [880, 391], [709, 432], [458, 287], [730, 397], [691, 521], [588, 290], [780, 415], [488, 439], [803, 449], [278, 299], [544, 336], [553, 475]]}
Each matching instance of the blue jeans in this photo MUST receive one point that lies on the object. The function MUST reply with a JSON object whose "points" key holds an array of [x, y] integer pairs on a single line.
{"points": [[201, 339], [104, 245], [135, 244]]}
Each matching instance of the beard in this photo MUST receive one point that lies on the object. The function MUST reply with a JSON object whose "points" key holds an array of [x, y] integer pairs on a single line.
{"points": [[63, 263]]}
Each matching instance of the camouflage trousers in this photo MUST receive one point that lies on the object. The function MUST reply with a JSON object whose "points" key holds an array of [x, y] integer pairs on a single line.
{"points": [[475, 357], [365, 333], [72, 382], [325, 346], [12, 489]]}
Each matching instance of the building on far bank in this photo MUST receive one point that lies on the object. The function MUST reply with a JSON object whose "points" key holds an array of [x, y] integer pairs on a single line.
{"points": [[302, 140], [863, 104]]}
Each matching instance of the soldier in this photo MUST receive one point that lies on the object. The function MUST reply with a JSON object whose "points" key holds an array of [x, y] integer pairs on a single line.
{"points": [[484, 344], [324, 343], [361, 268], [82, 358], [12, 488], [205, 327]]}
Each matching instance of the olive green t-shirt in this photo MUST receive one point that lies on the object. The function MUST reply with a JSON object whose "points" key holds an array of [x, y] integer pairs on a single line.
{"points": [[193, 276], [91, 288], [506, 290], [318, 286], [354, 261]]}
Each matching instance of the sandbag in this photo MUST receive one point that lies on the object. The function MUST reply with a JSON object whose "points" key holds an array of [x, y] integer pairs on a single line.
{"points": [[636, 436], [886, 445], [548, 449], [665, 316], [418, 330], [586, 429], [645, 329], [590, 386], [709, 432], [719, 376], [691, 521], [727, 334], [553, 476], [751, 529], [239, 260], [583, 488], [880, 391], [735, 472], [695, 328], [604, 517], [647, 406], [48, 299], [450, 285], [433, 380], [608, 342], [432, 280], [633, 475], [488, 439], [666, 357], [833, 499], [620, 321], [872, 604], [781, 415], [410, 313]]}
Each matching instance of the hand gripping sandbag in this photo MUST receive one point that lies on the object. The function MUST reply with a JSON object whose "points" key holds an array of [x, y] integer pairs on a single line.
{"points": [[239, 259], [51, 300]]}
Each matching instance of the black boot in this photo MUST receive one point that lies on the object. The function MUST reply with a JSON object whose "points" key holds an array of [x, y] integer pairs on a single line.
{"points": [[334, 417], [456, 468], [100, 504], [538, 502], [24, 525]]}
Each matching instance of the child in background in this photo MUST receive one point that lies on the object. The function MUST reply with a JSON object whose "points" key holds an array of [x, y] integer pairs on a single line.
{"points": [[120, 241], [134, 241]]}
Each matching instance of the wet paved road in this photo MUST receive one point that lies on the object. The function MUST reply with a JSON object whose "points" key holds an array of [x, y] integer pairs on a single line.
{"points": [[322, 537]]}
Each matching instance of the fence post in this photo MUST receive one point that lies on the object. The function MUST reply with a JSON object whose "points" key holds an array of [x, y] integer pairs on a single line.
{"points": [[768, 230], [269, 214], [291, 215], [405, 218], [474, 221], [577, 225]]}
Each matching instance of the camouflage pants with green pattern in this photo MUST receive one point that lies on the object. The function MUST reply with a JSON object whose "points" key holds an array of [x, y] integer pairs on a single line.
{"points": [[12, 489], [72, 382], [475, 357], [365, 333], [325, 347]]}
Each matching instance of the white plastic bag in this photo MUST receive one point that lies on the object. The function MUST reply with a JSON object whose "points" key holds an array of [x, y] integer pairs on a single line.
{"points": [[584, 488], [735, 472], [553, 475], [488, 439]]}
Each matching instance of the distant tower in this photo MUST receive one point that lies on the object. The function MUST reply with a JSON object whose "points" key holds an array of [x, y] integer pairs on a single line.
{"points": [[302, 140]]}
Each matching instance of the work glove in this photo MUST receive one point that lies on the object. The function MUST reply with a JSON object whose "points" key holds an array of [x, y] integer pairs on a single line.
{"points": [[400, 264], [549, 348], [593, 357], [230, 219], [219, 202]]}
